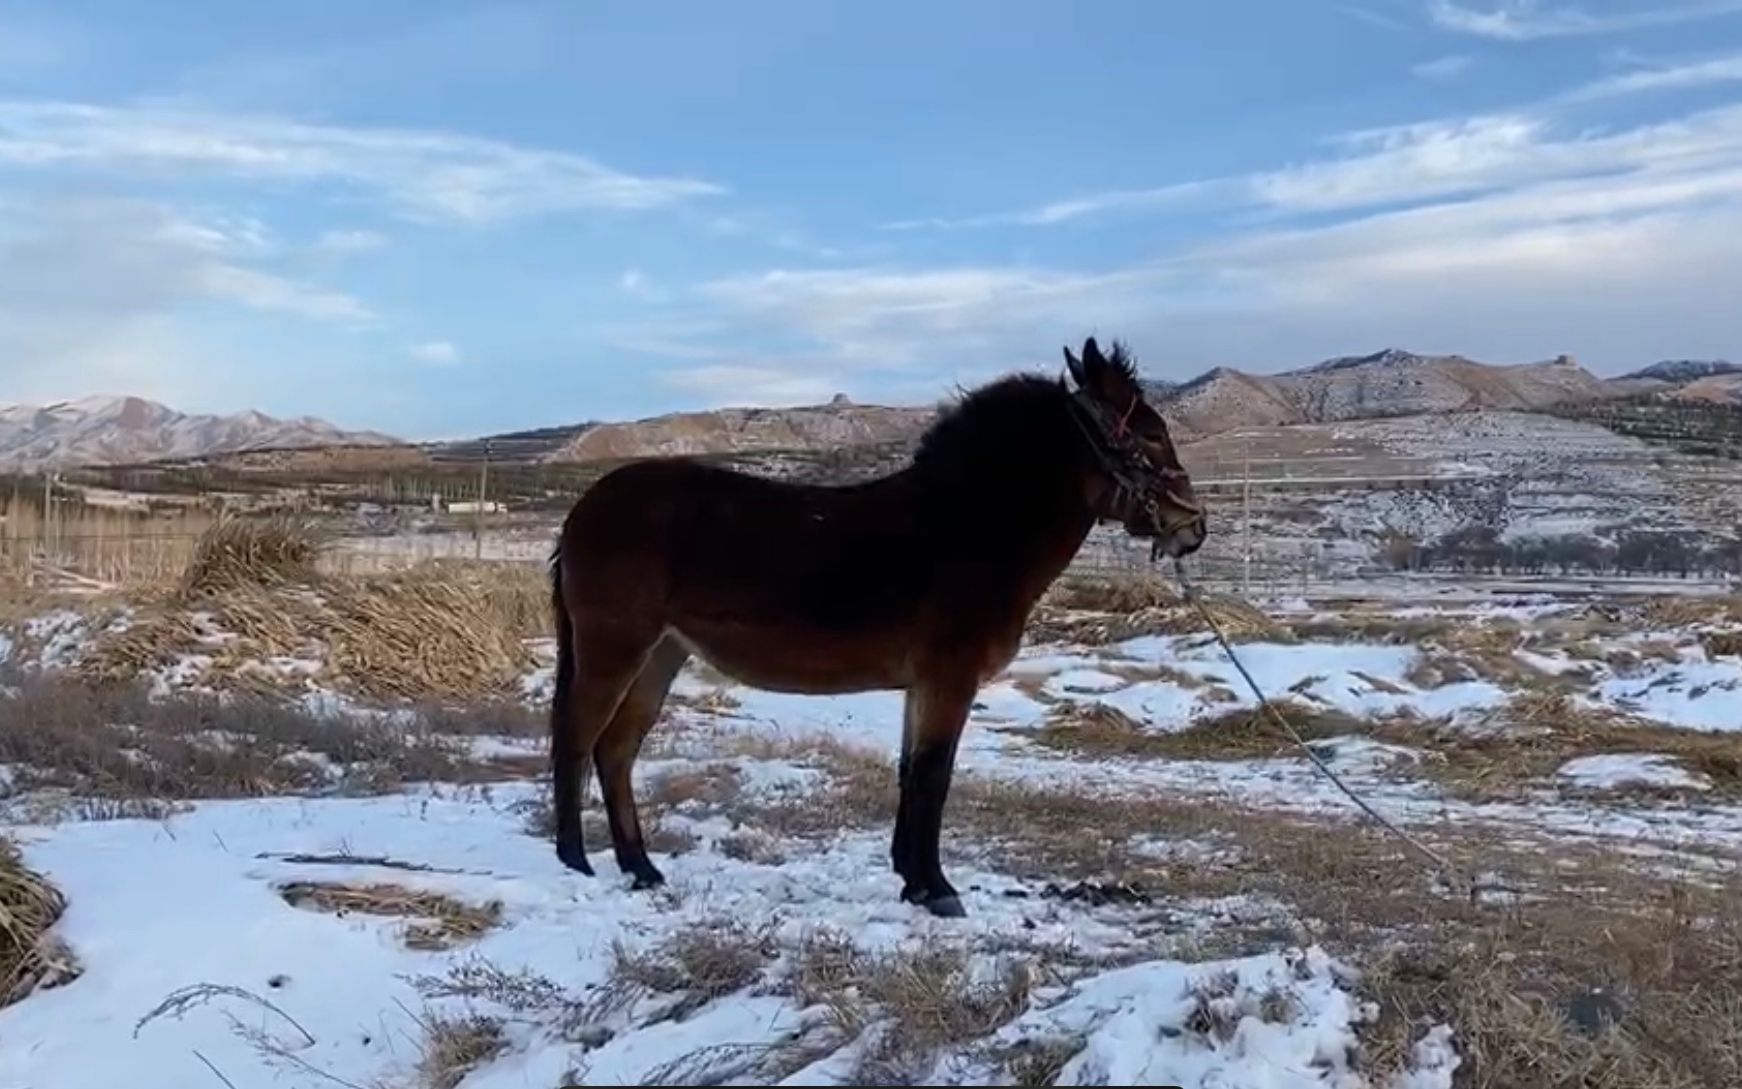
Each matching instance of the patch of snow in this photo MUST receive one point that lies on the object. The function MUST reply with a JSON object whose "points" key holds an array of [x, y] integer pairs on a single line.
{"points": [[1141, 1025], [1616, 770], [1699, 695]]}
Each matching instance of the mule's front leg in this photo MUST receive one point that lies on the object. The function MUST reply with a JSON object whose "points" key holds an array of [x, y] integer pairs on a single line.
{"points": [[936, 715]]}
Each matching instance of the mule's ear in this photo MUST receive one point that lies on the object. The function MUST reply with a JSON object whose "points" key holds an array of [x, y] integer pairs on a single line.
{"points": [[1092, 357], [1075, 366]]}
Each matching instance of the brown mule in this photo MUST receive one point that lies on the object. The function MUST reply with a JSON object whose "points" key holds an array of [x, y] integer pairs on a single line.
{"points": [[920, 581]]}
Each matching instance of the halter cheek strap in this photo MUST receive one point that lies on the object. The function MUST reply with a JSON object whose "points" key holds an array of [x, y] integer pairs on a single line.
{"points": [[1135, 478]]}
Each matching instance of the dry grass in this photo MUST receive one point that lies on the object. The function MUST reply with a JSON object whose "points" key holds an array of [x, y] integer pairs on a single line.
{"points": [[1681, 612], [1095, 612], [1723, 644], [453, 1047], [29, 906], [238, 552], [1579, 995], [918, 1000], [1098, 731], [1111, 594], [1535, 733], [437, 921], [108, 741], [702, 963], [441, 630]]}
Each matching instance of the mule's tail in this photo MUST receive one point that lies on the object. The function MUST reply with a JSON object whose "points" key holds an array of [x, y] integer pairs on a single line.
{"points": [[568, 765]]}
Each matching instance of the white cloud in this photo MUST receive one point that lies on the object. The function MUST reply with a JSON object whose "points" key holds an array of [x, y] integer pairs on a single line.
{"points": [[1504, 237], [437, 353], [743, 384], [346, 242], [1716, 70], [633, 281], [91, 290], [423, 174], [1073, 208], [1527, 20], [1443, 68]]}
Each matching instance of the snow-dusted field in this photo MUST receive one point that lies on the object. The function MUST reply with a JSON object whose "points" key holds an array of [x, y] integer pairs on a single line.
{"points": [[1150, 901]]}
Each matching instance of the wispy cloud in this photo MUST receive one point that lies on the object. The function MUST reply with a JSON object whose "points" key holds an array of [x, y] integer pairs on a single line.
{"points": [[1080, 207], [437, 353], [1704, 73], [1526, 20], [347, 242], [750, 384], [1551, 231], [91, 291], [422, 174], [1443, 68], [1373, 16]]}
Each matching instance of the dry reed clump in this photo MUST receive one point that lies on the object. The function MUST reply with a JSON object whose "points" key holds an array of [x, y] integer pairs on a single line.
{"points": [[1098, 730], [702, 963], [1241, 622], [1111, 594], [439, 630], [455, 1046], [1722, 644], [29, 906], [1681, 612], [252, 552], [917, 1001], [438, 921]]}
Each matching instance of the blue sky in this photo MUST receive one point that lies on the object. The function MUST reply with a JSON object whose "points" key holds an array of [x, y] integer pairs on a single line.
{"points": [[444, 218]]}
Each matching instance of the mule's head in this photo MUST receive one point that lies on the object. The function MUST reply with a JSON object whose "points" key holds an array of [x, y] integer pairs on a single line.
{"points": [[1142, 482]]}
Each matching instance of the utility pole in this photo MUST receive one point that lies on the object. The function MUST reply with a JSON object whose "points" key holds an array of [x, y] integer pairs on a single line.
{"points": [[1246, 521], [483, 498]]}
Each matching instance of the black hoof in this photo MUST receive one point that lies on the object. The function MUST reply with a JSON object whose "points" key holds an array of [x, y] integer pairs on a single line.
{"points": [[574, 856], [945, 905], [648, 878]]}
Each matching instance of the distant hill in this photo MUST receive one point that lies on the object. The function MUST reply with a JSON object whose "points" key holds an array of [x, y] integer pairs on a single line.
{"points": [[125, 430], [841, 423], [1391, 382], [1677, 371]]}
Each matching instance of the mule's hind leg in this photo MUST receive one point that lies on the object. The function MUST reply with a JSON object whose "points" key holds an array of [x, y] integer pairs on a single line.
{"points": [[601, 672], [936, 713], [617, 748]]}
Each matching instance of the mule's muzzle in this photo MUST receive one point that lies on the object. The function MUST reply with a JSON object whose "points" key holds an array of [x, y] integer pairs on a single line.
{"points": [[1184, 540]]}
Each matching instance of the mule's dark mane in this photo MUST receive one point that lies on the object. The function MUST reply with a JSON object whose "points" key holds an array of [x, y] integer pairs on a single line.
{"points": [[994, 423]]}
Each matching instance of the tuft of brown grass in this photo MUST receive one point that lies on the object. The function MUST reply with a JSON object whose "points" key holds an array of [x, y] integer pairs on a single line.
{"points": [[921, 999], [437, 921], [1099, 730], [1111, 594], [1534, 733], [702, 963], [113, 742], [29, 906], [454, 1047], [1577, 995], [237, 552], [1723, 644]]}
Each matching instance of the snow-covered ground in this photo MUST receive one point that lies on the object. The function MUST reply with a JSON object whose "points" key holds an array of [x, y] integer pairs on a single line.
{"points": [[297, 996]]}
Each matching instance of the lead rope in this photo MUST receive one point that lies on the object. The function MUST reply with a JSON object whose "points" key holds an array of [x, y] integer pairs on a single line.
{"points": [[1447, 870]]}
